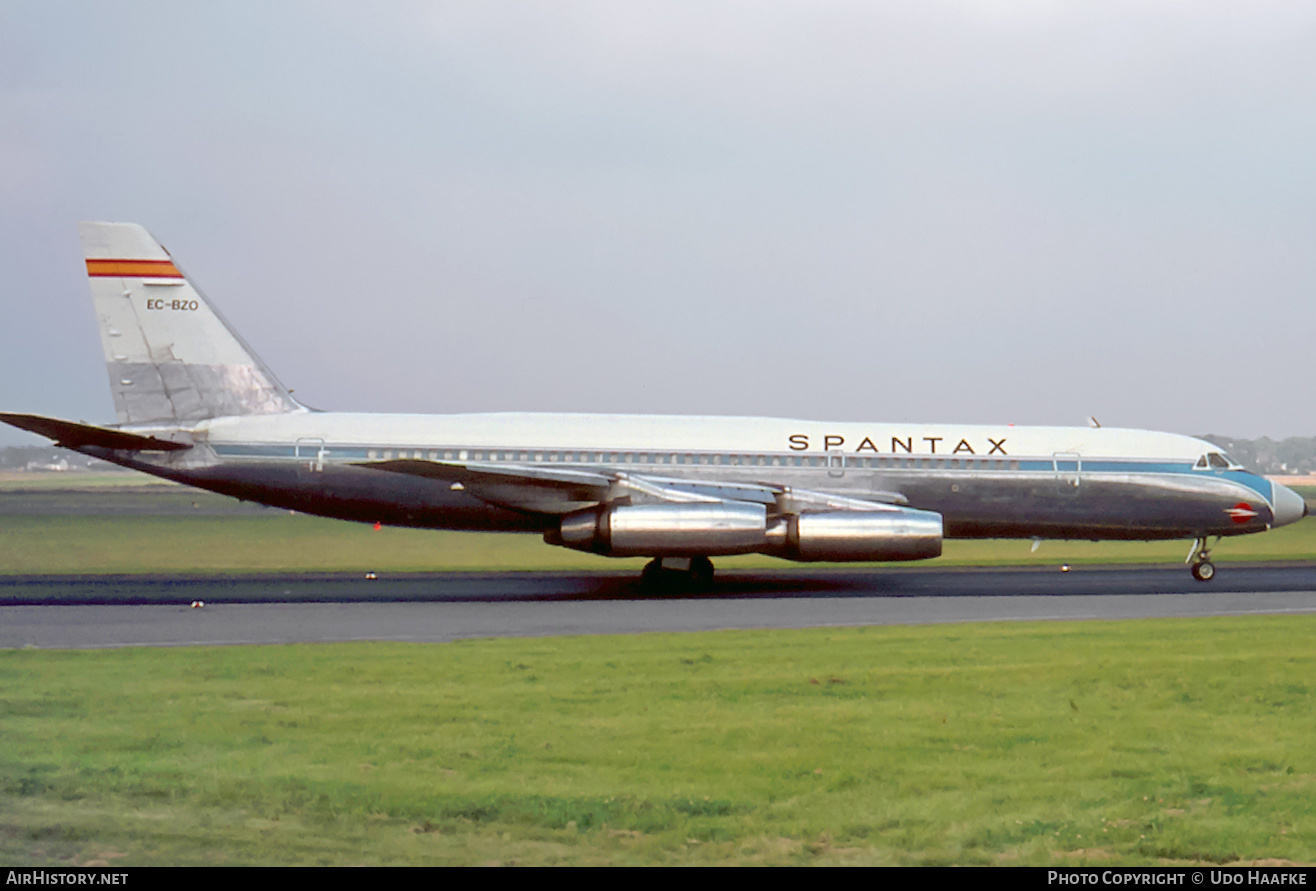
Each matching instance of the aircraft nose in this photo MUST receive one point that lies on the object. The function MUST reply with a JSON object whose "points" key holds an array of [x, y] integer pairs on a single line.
{"points": [[1289, 506]]}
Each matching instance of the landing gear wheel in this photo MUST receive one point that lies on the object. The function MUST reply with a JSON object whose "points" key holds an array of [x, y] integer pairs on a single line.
{"points": [[701, 572], [694, 574], [1200, 557]]}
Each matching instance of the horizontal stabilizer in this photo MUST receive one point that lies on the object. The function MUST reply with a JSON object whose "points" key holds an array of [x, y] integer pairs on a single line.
{"points": [[72, 435]]}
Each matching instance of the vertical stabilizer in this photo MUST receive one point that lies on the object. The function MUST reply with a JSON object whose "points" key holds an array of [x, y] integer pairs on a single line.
{"points": [[171, 356]]}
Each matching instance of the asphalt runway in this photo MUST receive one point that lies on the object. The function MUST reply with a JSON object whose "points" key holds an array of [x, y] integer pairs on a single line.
{"points": [[90, 612]]}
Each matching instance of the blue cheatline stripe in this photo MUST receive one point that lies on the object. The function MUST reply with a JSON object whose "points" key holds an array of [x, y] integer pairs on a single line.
{"points": [[1263, 487], [256, 451], [346, 452]]}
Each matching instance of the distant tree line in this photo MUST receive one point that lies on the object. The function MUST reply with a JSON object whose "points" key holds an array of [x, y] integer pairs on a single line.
{"points": [[19, 457], [1295, 455]]}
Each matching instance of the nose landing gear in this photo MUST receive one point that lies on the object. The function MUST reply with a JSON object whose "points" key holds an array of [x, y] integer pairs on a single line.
{"points": [[1200, 556]]}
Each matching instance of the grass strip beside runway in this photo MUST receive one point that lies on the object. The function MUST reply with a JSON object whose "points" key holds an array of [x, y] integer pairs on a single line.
{"points": [[1014, 743], [277, 542], [89, 529]]}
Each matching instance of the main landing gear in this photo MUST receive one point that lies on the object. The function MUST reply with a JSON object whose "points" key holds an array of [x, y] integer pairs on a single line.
{"points": [[1200, 556], [691, 573]]}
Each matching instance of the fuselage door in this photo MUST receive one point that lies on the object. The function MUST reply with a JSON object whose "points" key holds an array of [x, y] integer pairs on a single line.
{"points": [[310, 454], [1069, 471], [835, 463]]}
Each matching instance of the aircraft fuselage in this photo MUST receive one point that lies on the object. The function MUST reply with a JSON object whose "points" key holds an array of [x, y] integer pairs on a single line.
{"points": [[986, 482]]}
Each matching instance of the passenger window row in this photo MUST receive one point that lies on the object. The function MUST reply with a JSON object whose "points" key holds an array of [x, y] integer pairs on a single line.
{"points": [[592, 458]]}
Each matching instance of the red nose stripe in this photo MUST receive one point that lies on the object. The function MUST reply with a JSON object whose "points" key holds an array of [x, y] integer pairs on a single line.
{"points": [[1241, 512]]}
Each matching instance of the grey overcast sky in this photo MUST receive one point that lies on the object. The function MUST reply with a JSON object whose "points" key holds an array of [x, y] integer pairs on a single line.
{"points": [[983, 212]]}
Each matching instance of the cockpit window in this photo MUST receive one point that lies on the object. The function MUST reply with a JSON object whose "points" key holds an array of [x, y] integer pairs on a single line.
{"points": [[1218, 461]]}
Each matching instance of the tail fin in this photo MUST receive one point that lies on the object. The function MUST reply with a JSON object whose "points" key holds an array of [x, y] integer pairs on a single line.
{"points": [[171, 356]]}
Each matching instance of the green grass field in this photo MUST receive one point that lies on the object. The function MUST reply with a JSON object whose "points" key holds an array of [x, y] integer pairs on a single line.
{"points": [[1161, 741], [1094, 743]]}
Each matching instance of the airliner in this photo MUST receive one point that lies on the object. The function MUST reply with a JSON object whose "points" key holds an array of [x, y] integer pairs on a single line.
{"points": [[195, 405]]}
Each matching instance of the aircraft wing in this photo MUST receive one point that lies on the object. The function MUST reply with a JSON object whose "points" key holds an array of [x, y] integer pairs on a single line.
{"points": [[560, 490], [548, 490]]}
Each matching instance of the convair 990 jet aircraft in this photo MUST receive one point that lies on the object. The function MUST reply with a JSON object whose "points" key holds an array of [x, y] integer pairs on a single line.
{"points": [[196, 406]]}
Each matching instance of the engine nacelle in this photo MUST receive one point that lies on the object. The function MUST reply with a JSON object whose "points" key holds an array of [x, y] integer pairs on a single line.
{"points": [[665, 530], [721, 528], [852, 536]]}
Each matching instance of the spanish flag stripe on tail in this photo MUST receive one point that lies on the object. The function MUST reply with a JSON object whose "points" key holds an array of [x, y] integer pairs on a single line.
{"points": [[133, 268]]}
